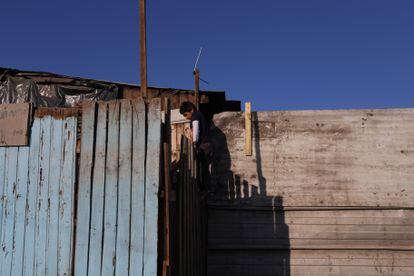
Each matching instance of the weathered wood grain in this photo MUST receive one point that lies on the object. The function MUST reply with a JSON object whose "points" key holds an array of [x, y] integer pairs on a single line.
{"points": [[84, 193], [98, 193], [53, 197], [152, 180], [33, 177], [7, 240], [124, 190], [31, 202], [136, 257], [66, 197], [111, 190], [2, 176], [42, 197], [20, 211]]}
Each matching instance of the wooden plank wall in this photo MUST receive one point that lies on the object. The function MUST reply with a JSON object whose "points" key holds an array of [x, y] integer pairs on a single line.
{"points": [[324, 193], [119, 180], [37, 199]]}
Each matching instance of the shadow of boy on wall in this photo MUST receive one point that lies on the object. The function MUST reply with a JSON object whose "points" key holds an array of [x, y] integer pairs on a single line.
{"points": [[248, 234]]}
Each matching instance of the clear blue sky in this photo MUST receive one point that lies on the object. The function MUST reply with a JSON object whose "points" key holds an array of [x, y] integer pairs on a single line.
{"points": [[303, 54]]}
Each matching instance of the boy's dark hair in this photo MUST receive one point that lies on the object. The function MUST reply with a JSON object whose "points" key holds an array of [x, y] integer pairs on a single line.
{"points": [[187, 107]]}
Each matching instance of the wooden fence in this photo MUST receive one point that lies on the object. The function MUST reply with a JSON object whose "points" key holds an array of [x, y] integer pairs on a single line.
{"points": [[37, 199], [98, 216], [117, 230], [190, 218]]}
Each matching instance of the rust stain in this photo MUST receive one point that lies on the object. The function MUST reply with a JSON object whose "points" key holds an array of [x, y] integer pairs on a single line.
{"points": [[57, 113]]}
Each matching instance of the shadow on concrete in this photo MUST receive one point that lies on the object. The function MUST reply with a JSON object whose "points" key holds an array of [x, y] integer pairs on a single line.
{"points": [[258, 242]]}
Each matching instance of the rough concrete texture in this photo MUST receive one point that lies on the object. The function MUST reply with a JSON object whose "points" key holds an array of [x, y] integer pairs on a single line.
{"points": [[317, 158], [325, 193]]}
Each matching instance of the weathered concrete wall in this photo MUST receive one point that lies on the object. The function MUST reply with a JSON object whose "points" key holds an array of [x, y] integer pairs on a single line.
{"points": [[324, 192]]}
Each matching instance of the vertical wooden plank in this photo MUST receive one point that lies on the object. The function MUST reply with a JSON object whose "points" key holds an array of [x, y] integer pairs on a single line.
{"points": [[66, 196], [42, 197], [137, 187], [7, 240], [19, 218], [174, 143], [53, 196], [152, 180], [166, 186], [180, 200], [31, 202], [2, 176], [124, 188], [84, 192], [111, 191], [98, 193], [248, 129]]}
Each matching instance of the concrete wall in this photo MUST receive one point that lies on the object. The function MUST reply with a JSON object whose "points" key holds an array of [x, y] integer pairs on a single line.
{"points": [[325, 192]]}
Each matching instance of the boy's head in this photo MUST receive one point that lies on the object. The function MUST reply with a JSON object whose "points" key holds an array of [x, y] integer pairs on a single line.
{"points": [[187, 109]]}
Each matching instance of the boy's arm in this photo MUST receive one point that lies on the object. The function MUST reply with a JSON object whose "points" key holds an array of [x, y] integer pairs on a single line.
{"points": [[196, 131]]}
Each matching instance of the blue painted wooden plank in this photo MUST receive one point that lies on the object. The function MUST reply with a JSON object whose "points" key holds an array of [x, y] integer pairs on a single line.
{"points": [[42, 197], [124, 190], [152, 179], [137, 187], [84, 193], [66, 196], [111, 191], [98, 192], [8, 211], [31, 203], [20, 211], [53, 196], [2, 176]]}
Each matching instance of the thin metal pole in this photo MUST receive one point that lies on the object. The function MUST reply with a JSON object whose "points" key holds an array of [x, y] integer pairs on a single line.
{"points": [[143, 48]]}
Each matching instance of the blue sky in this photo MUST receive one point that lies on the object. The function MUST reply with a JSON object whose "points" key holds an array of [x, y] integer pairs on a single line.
{"points": [[296, 54]]}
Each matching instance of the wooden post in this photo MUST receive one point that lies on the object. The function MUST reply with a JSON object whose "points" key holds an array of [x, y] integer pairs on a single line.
{"points": [[143, 48], [197, 87], [166, 269], [248, 129]]}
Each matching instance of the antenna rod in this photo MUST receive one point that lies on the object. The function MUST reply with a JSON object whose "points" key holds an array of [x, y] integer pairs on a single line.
{"points": [[196, 73], [143, 47], [198, 58]]}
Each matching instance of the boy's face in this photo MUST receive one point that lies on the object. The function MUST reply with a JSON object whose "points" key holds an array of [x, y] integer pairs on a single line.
{"points": [[187, 115]]}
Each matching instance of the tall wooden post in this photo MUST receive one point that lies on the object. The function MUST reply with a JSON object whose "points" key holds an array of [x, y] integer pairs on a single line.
{"points": [[248, 129], [197, 87], [143, 47]]}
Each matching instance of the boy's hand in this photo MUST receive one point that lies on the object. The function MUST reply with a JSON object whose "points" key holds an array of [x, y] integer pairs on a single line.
{"points": [[188, 133]]}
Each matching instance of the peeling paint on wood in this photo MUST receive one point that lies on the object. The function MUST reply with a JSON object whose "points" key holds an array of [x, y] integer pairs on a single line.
{"points": [[33, 212], [123, 235]]}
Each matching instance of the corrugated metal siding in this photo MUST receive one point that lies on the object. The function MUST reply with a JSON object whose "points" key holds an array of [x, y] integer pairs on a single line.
{"points": [[37, 192], [117, 226]]}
